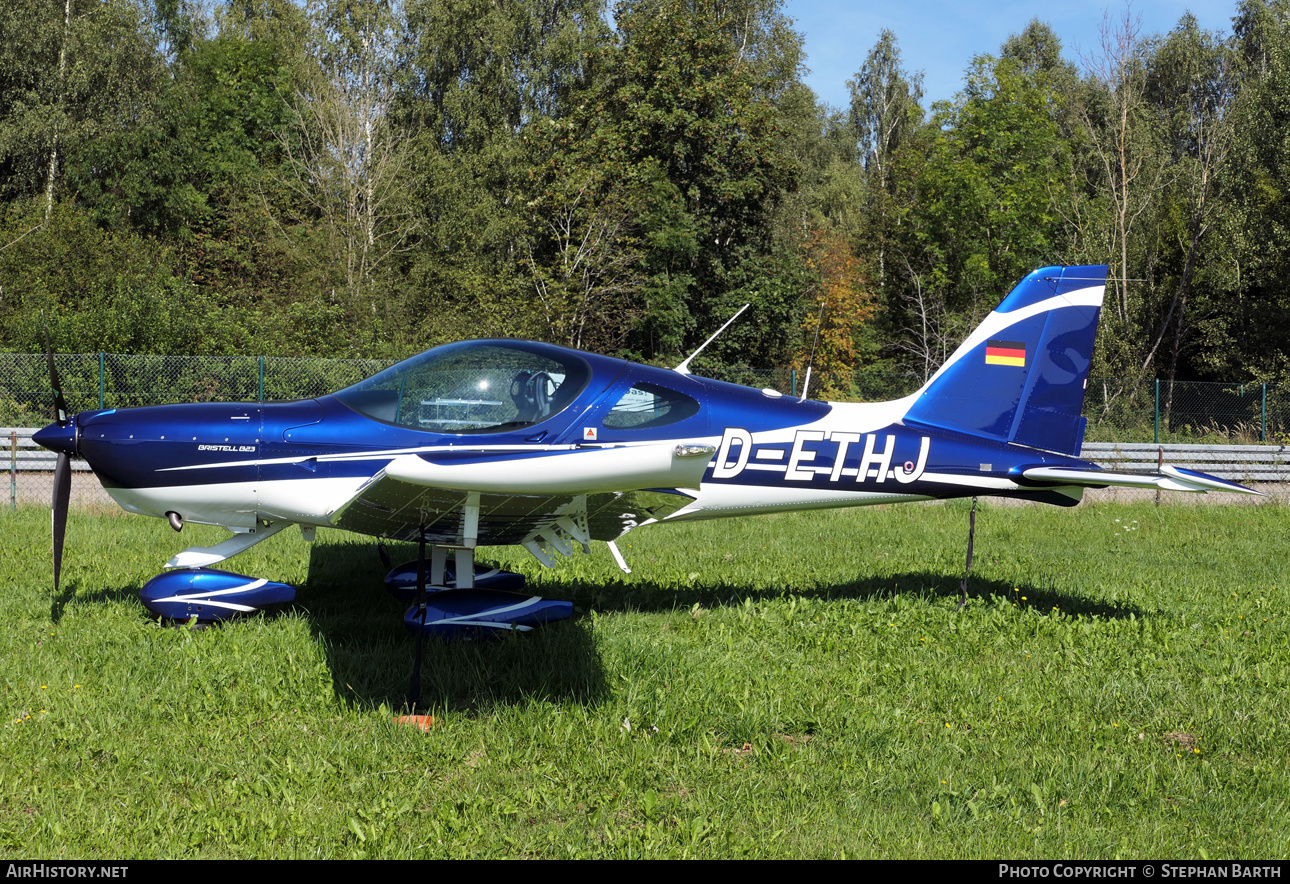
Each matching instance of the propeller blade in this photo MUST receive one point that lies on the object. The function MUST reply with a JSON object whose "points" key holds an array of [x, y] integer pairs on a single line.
{"points": [[62, 497], [60, 404]]}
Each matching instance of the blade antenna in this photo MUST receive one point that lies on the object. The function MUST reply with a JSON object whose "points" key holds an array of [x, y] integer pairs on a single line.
{"points": [[684, 367], [967, 572], [819, 320]]}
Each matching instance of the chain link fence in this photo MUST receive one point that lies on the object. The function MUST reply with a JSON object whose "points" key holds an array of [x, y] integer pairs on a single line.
{"points": [[111, 380], [1118, 410]]}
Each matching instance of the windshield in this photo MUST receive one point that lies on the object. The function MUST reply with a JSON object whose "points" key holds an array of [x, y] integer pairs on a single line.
{"points": [[472, 387]]}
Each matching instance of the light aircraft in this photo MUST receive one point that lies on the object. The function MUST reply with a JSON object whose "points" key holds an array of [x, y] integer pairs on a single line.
{"points": [[489, 442]]}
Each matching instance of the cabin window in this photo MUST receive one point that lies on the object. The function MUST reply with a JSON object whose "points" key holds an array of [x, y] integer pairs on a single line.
{"points": [[646, 406], [472, 387]]}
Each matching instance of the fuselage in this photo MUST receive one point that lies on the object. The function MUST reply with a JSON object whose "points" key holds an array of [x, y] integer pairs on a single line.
{"points": [[240, 464]]}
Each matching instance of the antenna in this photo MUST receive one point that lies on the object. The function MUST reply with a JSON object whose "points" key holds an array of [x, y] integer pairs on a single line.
{"points": [[819, 320], [684, 367]]}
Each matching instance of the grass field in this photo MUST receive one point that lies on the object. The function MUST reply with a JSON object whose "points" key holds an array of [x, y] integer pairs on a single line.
{"points": [[779, 686]]}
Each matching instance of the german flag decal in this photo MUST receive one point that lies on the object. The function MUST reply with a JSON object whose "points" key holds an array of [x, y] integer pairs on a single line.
{"points": [[1005, 353]]}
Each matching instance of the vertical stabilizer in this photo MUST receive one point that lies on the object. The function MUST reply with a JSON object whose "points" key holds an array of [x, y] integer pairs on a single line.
{"points": [[1020, 376]]}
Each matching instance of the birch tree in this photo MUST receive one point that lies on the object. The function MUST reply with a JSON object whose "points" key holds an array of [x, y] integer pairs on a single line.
{"points": [[344, 160]]}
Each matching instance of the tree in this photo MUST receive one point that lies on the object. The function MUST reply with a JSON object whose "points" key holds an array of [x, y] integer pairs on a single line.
{"points": [[1248, 337], [1192, 86], [985, 211], [690, 90], [885, 114], [69, 73], [477, 78], [1128, 174], [836, 308], [583, 254], [344, 160]]}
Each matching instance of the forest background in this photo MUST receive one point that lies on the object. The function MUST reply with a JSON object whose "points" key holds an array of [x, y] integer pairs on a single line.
{"points": [[368, 178]]}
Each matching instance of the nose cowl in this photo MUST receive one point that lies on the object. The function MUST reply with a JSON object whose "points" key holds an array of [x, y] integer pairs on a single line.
{"points": [[55, 438]]}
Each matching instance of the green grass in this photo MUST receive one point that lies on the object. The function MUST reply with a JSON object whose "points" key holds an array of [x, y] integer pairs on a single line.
{"points": [[780, 686]]}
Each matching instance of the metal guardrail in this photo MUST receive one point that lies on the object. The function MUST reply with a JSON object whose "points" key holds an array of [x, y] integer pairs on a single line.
{"points": [[1238, 463]]}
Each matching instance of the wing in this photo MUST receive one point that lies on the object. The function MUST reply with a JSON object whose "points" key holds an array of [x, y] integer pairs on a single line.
{"points": [[548, 499]]}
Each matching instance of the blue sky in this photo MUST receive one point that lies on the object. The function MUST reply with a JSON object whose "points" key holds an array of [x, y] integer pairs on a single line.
{"points": [[940, 37]]}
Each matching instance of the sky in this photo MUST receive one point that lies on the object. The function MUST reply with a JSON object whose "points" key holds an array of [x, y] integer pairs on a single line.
{"points": [[940, 37]]}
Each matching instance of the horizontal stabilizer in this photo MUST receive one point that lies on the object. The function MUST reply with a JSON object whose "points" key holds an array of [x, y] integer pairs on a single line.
{"points": [[1167, 478]]}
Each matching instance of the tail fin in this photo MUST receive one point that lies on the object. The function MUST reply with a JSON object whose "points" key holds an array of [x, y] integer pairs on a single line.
{"points": [[1020, 377]]}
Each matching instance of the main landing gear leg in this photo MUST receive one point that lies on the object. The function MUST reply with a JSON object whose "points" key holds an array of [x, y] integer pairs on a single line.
{"points": [[414, 689], [464, 570], [971, 534]]}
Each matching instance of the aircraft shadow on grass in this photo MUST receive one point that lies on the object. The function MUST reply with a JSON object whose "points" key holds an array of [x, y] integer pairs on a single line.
{"points": [[370, 655], [369, 651], [661, 597], [73, 594]]}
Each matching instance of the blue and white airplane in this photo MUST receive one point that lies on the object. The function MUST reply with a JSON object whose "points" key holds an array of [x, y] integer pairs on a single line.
{"points": [[489, 442]]}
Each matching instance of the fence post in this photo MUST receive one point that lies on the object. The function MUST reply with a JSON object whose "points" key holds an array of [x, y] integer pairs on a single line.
{"points": [[1157, 439], [261, 378], [13, 470], [101, 405], [1263, 423]]}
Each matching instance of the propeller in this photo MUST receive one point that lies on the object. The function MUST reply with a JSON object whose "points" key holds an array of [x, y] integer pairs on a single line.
{"points": [[62, 469]]}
